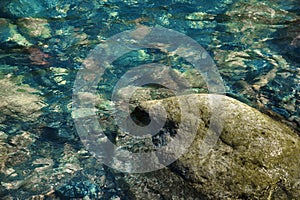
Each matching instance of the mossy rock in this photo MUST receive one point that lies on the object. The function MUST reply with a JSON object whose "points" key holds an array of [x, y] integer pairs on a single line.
{"points": [[256, 157]]}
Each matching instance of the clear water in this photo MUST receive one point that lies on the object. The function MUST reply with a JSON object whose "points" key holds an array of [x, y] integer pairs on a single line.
{"points": [[255, 44]]}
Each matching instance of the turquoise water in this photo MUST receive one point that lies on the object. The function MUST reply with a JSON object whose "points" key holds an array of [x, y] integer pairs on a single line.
{"points": [[43, 43]]}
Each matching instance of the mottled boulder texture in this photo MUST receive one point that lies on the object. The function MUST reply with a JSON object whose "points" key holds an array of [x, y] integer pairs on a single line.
{"points": [[256, 157], [19, 102]]}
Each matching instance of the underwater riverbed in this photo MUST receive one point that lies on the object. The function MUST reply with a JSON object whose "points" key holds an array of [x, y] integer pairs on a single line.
{"points": [[45, 43]]}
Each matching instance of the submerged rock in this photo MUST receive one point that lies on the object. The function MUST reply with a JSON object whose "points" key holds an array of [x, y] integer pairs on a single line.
{"points": [[9, 35], [255, 157], [35, 27], [78, 189], [19, 102], [33, 160]]}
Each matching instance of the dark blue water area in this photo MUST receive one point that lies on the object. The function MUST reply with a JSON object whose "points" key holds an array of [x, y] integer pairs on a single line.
{"points": [[291, 5], [283, 42]]}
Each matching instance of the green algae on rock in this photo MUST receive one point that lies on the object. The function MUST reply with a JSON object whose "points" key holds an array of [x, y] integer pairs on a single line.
{"points": [[256, 157]]}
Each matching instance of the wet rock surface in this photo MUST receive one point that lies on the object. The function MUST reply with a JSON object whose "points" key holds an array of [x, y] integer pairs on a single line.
{"points": [[256, 157], [161, 184]]}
